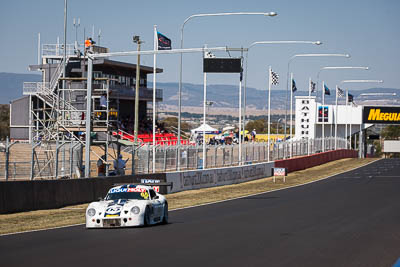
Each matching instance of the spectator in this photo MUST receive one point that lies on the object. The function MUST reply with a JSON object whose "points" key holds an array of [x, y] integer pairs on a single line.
{"points": [[103, 101], [119, 165], [253, 135], [101, 166]]}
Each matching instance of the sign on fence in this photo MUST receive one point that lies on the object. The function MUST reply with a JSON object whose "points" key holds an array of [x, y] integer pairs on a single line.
{"points": [[279, 172]]}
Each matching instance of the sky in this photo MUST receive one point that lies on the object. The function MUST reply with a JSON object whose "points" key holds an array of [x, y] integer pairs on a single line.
{"points": [[368, 30]]}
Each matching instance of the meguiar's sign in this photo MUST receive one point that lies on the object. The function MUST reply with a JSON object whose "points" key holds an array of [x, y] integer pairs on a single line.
{"points": [[384, 115]]}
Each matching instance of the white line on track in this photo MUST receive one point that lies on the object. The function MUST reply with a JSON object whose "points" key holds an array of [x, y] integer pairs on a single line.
{"points": [[200, 205]]}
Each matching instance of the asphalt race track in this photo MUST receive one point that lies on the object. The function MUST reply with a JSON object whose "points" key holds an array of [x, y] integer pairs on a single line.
{"points": [[352, 219]]}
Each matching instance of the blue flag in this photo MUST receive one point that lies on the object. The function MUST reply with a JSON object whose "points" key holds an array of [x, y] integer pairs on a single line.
{"points": [[294, 88], [326, 89], [164, 43], [350, 98]]}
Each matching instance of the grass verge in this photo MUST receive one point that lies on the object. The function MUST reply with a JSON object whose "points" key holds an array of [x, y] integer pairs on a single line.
{"points": [[35, 220]]}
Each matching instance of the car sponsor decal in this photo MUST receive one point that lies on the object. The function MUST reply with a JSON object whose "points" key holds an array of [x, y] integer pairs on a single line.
{"points": [[136, 190], [113, 210], [124, 190], [145, 195]]}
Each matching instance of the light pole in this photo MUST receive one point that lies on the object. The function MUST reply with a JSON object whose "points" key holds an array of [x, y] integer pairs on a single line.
{"points": [[268, 14], [247, 55], [277, 127], [289, 82], [76, 26], [338, 68], [136, 39], [347, 98]]}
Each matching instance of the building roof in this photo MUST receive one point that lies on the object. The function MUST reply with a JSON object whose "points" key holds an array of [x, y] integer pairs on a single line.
{"points": [[107, 63], [112, 65]]}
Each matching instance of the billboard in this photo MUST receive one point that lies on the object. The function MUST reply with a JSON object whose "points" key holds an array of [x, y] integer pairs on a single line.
{"points": [[381, 114], [224, 65], [323, 113]]}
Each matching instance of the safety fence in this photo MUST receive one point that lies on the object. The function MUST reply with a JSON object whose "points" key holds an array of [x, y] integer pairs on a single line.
{"points": [[67, 161], [216, 156]]}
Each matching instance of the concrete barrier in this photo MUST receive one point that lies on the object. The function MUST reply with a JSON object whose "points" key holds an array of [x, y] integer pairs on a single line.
{"points": [[187, 180], [304, 162], [16, 196]]}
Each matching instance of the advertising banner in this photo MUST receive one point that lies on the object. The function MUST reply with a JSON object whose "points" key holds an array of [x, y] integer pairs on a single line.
{"points": [[381, 114]]}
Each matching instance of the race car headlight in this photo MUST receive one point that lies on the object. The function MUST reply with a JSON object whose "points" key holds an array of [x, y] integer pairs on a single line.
{"points": [[135, 210], [91, 212]]}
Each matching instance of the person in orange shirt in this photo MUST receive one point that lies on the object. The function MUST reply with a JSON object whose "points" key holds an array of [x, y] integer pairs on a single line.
{"points": [[89, 42]]}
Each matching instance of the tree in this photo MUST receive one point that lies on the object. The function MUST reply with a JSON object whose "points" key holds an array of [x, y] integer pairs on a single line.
{"points": [[260, 125], [391, 132], [173, 122], [4, 121]]}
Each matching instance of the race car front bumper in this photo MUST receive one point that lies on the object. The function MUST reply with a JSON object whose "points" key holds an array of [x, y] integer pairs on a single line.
{"points": [[111, 222]]}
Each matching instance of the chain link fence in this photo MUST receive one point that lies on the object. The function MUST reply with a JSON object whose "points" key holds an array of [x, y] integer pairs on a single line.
{"points": [[24, 162]]}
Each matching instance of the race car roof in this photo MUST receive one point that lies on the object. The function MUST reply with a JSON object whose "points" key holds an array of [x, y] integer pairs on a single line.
{"points": [[132, 186]]}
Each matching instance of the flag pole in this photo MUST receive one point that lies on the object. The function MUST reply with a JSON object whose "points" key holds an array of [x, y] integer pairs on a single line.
{"points": [[269, 112], [345, 134], [351, 118], [323, 116], [309, 101], [204, 112], [154, 97], [240, 120], [291, 111], [336, 115]]}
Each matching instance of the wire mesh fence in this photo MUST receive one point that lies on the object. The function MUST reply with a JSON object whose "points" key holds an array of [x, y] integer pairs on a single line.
{"points": [[67, 161]]}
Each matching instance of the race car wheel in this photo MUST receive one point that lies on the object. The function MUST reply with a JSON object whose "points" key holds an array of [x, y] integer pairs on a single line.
{"points": [[165, 217], [147, 216]]}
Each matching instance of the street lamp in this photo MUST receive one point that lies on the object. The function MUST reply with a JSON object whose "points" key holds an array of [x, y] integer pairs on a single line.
{"points": [[347, 98], [136, 39], [277, 127], [338, 68], [76, 26], [288, 82], [268, 14], [247, 54]]}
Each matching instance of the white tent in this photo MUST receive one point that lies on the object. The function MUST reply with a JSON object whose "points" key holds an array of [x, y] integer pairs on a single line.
{"points": [[204, 127]]}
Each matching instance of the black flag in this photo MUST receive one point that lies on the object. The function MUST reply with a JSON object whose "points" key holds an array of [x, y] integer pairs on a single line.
{"points": [[164, 43]]}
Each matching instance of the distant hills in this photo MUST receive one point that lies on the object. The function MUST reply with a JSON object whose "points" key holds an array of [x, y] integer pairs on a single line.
{"points": [[222, 96]]}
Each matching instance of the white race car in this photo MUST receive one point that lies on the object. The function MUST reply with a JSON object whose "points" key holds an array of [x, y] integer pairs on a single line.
{"points": [[128, 205]]}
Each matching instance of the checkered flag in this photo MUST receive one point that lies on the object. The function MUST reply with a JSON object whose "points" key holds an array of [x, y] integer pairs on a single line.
{"points": [[340, 92], [274, 78]]}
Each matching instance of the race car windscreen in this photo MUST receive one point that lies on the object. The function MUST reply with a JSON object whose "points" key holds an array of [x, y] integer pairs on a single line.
{"points": [[125, 194]]}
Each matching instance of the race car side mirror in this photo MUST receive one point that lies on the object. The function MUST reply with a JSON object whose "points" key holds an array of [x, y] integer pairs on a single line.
{"points": [[100, 199], [156, 197]]}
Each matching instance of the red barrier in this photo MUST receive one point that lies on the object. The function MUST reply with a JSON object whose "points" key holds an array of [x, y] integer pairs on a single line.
{"points": [[304, 162]]}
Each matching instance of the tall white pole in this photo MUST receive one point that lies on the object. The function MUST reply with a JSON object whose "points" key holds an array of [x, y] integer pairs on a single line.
{"points": [[345, 131], [351, 118], [204, 115], [154, 97], [88, 116], [309, 101], [336, 116], [240, 122], [360, 142], [291, 112], [269, 112], [39, 54], [323, 116]]}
